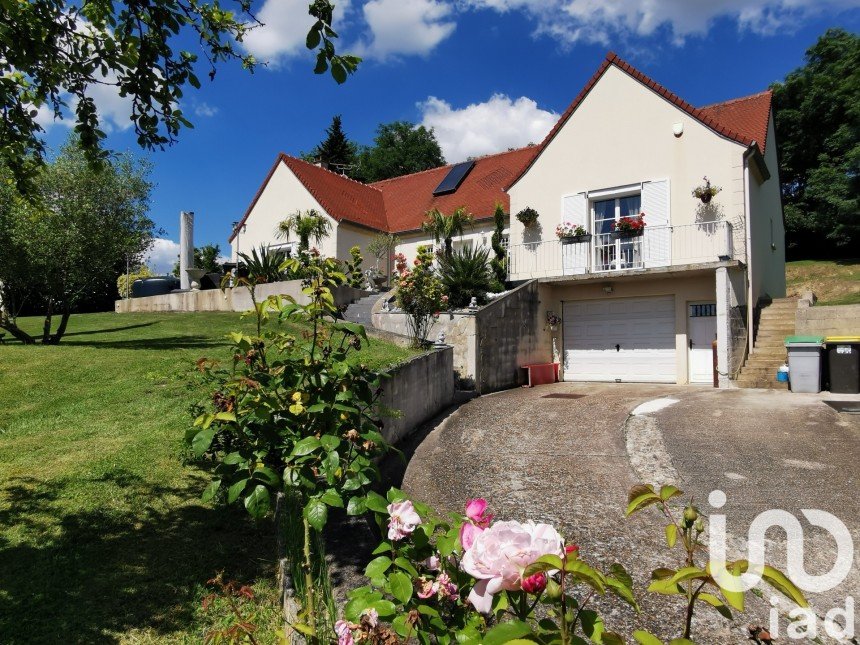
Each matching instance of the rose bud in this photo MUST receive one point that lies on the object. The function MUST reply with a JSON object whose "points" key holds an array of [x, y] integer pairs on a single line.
{"points": [[534, 584], [572, 550], [553, 590]]}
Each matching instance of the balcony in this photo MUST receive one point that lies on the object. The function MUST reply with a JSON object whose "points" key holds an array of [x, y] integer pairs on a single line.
{"points": [[602, 254]]}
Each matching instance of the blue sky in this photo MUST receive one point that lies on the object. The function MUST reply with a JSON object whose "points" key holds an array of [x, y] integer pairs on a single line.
{"points": [[487, 74]]}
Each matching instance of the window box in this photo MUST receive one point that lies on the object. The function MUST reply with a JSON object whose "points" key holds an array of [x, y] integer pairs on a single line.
{"points": [[575, 239]]}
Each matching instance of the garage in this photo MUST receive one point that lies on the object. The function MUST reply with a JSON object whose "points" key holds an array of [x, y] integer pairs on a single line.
{"points": [[623, 340]]}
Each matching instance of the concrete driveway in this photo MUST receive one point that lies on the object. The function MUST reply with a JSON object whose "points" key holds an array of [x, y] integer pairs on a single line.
{"points": [[568, 454]]}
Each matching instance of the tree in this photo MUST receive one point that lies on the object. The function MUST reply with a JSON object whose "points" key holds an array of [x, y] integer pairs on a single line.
{"points": [[499, 263], [817, 116], [382, 246], [399, 148], [445, 227], [81, 224], [308, 226], [53, 53], [336, 149], [205, 257]]}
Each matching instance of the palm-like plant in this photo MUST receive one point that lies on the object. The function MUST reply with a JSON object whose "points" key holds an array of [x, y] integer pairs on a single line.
{"points": [[306, 226], [445, 227], [466, 275], [264, 265]]}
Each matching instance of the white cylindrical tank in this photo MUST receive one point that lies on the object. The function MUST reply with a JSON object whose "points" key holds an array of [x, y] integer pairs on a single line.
{"points": [[186, 247]]}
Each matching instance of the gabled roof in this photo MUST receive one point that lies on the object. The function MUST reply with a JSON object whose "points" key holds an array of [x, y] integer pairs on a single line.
{"points": [[400, 204], [742, 120], [408, 198]]}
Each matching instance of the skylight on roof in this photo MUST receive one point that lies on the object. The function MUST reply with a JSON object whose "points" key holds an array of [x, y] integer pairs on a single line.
{"points": [[454, 178]]}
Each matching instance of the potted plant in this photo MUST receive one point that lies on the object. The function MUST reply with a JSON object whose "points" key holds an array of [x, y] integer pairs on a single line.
{"points": [[629, 226], [570, 233], [706, 192], [553, 320], [527, 216]]}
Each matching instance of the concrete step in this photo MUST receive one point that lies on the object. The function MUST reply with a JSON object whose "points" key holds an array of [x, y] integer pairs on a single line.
{"points": [[766, 384], [760, 371]]}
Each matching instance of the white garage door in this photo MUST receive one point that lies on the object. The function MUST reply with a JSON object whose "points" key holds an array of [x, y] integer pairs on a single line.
{"points": [[625, 339]]}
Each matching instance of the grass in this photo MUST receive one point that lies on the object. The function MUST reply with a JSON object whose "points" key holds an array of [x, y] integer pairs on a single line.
{"points": [[102, 534], [835, 282]]}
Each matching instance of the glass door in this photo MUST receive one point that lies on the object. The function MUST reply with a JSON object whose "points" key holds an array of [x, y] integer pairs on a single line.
{"points": [[613, 253]]}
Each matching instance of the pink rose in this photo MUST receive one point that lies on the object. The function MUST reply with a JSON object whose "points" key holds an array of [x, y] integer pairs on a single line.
{"points": [[344, 634], [499, 555], [534, 584], [432, 563], [426, 587], [445, 587], [403, 520], [478, 520]]}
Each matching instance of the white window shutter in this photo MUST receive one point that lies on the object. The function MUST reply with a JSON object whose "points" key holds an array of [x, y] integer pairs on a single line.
{"points": [[657, 240], [574, 257], [575, 209]]}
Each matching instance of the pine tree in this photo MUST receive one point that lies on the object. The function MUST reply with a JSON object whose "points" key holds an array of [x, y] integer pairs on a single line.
{"points": [[336, 150], [499, 262]]}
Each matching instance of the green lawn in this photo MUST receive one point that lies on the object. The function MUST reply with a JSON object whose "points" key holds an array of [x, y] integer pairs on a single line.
{"points": [[835, 282], [102, 534]]}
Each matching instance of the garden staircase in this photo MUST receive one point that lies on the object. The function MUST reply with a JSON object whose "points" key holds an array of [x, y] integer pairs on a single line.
{"points": [[361, 310], [777, 320]]}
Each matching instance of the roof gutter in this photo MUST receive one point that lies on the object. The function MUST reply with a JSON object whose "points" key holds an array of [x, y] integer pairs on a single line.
{"points": [[749, 154], [755, 152]]}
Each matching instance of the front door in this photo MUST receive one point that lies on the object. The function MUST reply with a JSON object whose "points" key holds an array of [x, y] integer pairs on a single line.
{"points": [[701, 333]]}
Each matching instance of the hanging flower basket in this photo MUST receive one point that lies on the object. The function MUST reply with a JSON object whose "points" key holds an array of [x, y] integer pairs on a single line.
{"points": [[527, 216], [628, 227], [706, 192]]}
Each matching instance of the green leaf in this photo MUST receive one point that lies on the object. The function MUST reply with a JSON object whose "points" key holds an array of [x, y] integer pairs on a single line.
{"points": [[401, 586], [781, 583], [689, 573], [384, 608], [671, 534], [313, 39], [715, 602], [506, 632], [328, 441], [544, 563], [316, 513], [644, 638], [267, 475], [638, 503], [611, 638], [306, 446], [202, 440], [338, 72], [400, 626], [356, 506], [307, 630], [236, 489], [258, 502], [233, 458], [620, 573], [331, 498], [395, 495], [668, 492], [377, 503], [681, 641], [665, 586], [211, 490], [406, 565], [622, 591], [377, 566], [592, 624], [578, 569]]}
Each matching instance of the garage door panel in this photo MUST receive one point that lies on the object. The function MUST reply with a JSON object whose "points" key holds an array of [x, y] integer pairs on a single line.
{"points": [[643, 329]]}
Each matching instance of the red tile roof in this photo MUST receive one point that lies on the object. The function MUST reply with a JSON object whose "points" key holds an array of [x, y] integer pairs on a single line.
{"points": [[400, 204], [745, 122], [408, 198]]}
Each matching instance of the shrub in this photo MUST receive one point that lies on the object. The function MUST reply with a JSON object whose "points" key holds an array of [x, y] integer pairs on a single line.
{"points": [[499, 263], [264, 265], [420, 293], [353, 268], [124, 282], [466, 275]]}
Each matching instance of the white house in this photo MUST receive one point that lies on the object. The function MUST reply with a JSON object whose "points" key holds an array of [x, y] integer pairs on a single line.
{"points": [[642, 308]]}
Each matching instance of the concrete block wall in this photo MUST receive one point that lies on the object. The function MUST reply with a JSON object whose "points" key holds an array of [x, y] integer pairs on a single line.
{"points": [[237, 299], [841, 320], [420, 389], [509, 334]]}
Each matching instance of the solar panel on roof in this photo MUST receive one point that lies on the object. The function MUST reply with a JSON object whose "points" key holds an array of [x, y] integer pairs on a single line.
{"points": [[454, 178]]}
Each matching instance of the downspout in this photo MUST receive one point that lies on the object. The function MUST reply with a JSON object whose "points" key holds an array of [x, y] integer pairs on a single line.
{"points": [[748, 248]]}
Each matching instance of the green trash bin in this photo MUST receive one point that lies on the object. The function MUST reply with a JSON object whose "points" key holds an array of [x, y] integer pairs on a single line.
{"points": [[843, 357], [804, 363]]}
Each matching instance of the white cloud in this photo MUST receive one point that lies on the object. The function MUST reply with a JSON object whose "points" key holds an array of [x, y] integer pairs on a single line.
{"points": [[162, 255], [405, 27], [603, 21], [482, 128], [205, 110], [285, 29]]}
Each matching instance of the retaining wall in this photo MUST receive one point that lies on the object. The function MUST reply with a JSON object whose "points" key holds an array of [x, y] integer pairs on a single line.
{"points": [[841, 320], [236, 299], [420, 389]]}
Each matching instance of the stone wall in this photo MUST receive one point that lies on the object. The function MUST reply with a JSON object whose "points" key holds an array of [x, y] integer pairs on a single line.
{"points": [[237, 299], [460, 332], [841, 320], [420, 389], [508, 335]]}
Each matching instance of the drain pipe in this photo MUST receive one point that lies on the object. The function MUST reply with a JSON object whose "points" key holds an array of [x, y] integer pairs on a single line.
{"points": [[748, 230]]}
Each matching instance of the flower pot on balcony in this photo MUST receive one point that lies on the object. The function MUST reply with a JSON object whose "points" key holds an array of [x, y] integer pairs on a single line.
{"points": [[623, 235], [574, 239], [706, 198]]}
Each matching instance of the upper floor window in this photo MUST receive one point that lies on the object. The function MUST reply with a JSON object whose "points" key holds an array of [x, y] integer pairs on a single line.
{"points": [[608, 211]]}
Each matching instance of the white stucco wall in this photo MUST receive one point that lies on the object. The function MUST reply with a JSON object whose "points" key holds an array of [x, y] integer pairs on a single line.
{"points": [[283, 195], [478, 234], [767, 227], [621, 134]]}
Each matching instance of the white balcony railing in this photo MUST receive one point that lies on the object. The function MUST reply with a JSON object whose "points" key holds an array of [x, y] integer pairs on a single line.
{"points": [[658, 246]]}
